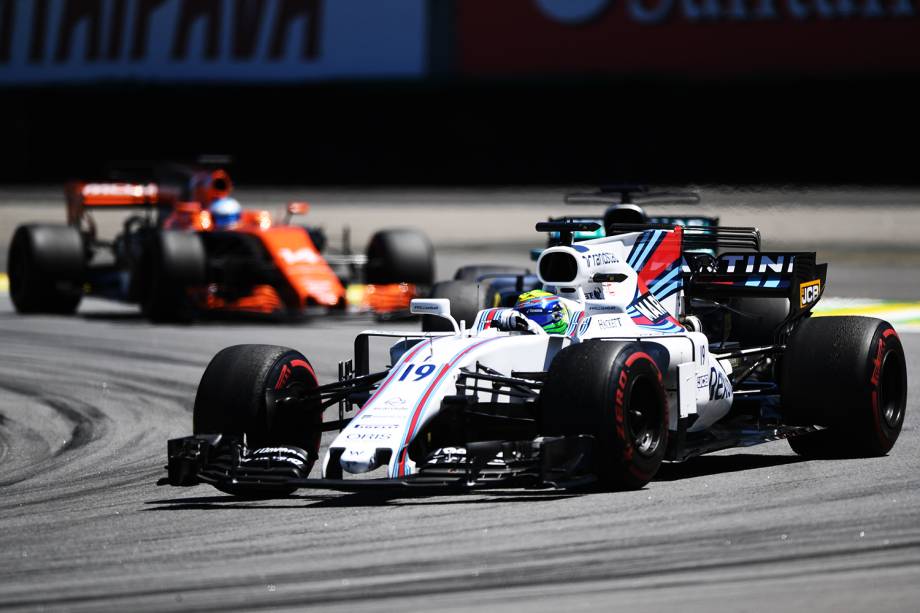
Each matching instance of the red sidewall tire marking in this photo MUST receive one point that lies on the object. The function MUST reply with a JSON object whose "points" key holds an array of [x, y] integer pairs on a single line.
{"points": [[875, 380], [619, 411]]}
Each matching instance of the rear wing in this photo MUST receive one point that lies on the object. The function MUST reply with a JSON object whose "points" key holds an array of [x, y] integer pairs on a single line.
{"points": [[81, 196], [696, 238], [186, 185], [631, 194], [703, 221], [792, 275]]}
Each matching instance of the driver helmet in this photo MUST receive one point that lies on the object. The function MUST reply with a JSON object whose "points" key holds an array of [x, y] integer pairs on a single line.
{"points": [[225, 212], [545, 309]]}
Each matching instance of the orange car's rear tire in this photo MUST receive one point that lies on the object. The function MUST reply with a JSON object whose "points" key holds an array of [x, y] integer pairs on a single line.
{"points": [[400, 256], [46, 268], [174, 262]]}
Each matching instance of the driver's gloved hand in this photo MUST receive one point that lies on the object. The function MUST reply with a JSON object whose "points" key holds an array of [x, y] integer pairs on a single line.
{"points": [[510, 320]]}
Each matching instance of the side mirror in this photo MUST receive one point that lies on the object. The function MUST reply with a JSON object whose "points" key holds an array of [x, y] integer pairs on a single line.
{"points": [[439, 307]]}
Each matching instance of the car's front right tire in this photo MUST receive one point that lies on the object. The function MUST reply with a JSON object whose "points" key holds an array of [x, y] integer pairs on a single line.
{"points": [[612, 391]]}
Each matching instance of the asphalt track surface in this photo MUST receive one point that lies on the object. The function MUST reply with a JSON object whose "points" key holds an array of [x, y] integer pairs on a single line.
{"points": [[88, 402]]}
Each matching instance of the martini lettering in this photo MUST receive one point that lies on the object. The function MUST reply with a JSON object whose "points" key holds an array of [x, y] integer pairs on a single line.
{"points": [[649, 306]]}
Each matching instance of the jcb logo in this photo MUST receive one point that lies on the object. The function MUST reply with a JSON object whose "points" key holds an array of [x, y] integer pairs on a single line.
{"points": [[809, 292]]}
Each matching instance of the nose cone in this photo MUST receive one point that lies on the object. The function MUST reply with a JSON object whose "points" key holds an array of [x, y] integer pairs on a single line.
{"points": [[357, 461]]}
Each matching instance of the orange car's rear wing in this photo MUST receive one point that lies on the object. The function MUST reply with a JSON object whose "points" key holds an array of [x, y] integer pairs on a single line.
{"points": [[122, 195], [203, 187]]}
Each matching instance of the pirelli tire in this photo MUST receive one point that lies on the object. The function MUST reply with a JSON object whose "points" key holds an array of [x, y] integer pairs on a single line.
{"points": [[612, 391], [236, 398], [46, 265], [848, 375], [465, 302], [400, 255], [174, 261]]}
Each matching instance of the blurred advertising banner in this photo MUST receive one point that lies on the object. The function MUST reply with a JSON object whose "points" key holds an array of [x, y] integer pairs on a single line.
{"points": [[696, 38], [210, 41]]}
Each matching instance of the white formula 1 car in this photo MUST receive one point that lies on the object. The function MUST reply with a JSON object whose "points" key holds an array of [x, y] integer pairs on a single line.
{"points": [[669, 353]]}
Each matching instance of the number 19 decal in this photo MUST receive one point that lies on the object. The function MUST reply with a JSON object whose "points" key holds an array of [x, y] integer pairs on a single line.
{"points": [[421, 371]]}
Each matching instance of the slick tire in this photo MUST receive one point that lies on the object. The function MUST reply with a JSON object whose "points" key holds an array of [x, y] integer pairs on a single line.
{"points": [[46, 269], [174, 262], [613, 392], [236, 398], [400, 256], [849, 375], [465, 302]]}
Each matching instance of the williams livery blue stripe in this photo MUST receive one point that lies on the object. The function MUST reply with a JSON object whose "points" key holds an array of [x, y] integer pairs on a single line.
{"points": [[394, 371], [665, 326], [662, 326], [485, 319], [637, 248], [641, 252], [764, 281], [418, 415], [667, 283], [573, 324]]}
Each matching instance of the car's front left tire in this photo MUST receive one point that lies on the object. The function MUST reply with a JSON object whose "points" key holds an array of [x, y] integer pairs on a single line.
{"points": [[236, 398]]}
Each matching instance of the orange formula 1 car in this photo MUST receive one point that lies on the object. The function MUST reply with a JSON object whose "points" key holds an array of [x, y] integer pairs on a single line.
{"points": [[190, 249]]}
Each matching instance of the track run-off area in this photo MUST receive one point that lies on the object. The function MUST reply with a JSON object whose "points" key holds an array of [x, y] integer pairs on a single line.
{"points": [[87, 404]]}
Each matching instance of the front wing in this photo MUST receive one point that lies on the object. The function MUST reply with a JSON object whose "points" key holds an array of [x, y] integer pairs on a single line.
{"points": [[544, 462]]}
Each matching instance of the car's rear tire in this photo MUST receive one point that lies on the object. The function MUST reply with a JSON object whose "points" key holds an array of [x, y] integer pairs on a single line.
{"points": [[232, 400], [849, 375], [612, 391], [465, 303], [175, 261], [400, 256], [46, 266]]}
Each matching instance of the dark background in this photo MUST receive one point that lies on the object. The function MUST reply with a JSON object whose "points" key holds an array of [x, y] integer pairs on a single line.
{"points": [[837, 130], [856, 126]]}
